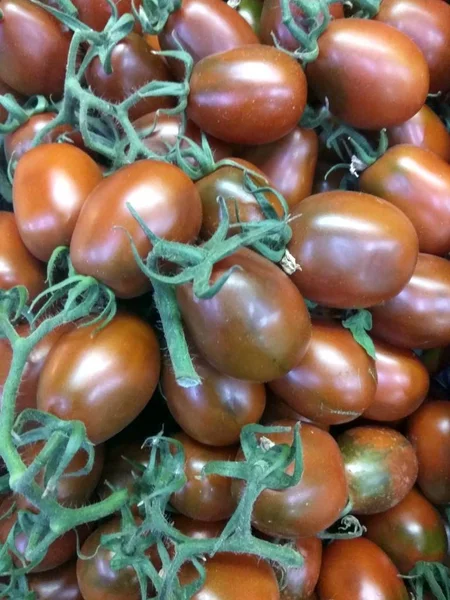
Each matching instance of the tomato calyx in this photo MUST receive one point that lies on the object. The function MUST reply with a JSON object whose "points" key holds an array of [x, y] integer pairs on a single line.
{"points": [[347, 527], [432, 576], [153, 15], [365, 9]]}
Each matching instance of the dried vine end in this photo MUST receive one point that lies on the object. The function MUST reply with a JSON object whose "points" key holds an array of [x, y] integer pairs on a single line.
{"points": [[153, 14]]}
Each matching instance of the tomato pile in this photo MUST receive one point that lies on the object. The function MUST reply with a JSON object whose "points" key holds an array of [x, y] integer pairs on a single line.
{"points": [[224, 299]]}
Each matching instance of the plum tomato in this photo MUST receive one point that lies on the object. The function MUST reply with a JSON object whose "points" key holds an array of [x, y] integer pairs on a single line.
{"points": [[277, 410], [198, 530], [96, 14], [58, 584], [300, 583], [257, 327]]}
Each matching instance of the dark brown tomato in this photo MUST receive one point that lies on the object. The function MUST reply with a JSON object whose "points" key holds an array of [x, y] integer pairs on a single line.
{"points": [[134, 64], [6, 89], [380, 465], [358, 570], [277, 409], [249, 95], [257, 327], [198, 530], [204, 498], [300, 510], [410, 532], [354, 249], [324, 180], [336, 380], [299, 583], [424, 130], [57, 584], [402, 386], [51, 184], [104, 378], [427, 23], [419, 316], [428, 430], [17, 265], [33, 47], [96, 13], [167, 201], [289, 163], [418, 183], [372, 75], [215, 411]]}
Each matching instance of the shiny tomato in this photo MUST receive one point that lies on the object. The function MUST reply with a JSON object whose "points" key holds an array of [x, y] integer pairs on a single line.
{"points": [[419, 316], [6, 89], [428, 430], [103, 378], [299, 583], [381, 468], [33, 47], [232, 94], [96, 14], [58, 584], [256, 327], [336, 380], [198, 530], [354, 249], [277, 410], [372, 75]]}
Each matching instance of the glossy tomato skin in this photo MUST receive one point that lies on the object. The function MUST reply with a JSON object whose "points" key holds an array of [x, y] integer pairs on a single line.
{"points": [[354, 249], [299, 511], [96, 14], [381, 468], [233, 95], [334, 382], [428, 430], [167, 201], [103, 378], [402, 386], [198, 530], [410, 532], [427, 23], [33, 47], [233, 330], [300, 583], [277, 410], [357, 55], [359, 570], [419, 316], [51, 184], [57, 584]]}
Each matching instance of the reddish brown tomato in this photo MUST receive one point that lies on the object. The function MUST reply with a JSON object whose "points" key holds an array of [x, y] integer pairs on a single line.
{"points": [[6, 89], [358, 570], [277, 410], [96, 13], [428, 430], [300, 511], [402, 386], [324, 180], [204, 498], [103, 378], [249, 95], [419, 316], [33, 47], [58, 584], [198, 530], [48, 199], [354, 249], [357, 55], [164, 197], [299, 583], [381, 468], [410, 532], [256, 327]]}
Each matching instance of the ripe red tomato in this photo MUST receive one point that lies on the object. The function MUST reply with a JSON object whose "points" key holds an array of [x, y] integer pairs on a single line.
{"points": [[299, 583], [334, 382], [96, 14], [165, 198], [372, 75], [6, 89], [232, 94], [380, 465], [256, 327], [58, 584], [103, 378], [354, 249], [277, 410]]}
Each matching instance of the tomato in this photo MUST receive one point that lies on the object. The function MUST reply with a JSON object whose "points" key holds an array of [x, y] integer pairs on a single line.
{"points": [[249, 95], [198, 530], [403, 383], [380, 465], [96, 13], [17, 265], [58, 584], [256, 327], [251, 10], [204, 498], [372, 75], [6, 89], [299, 583], [427, 23], [410, 532], [300, 510], [418, 183], [33, 47], [419, 316], [354, 250], [289, 163], [428, 430], [358, 570], [48, 199], [277, 410], [424, 130], [336, 380], [214, 411], [167, 201], [324, 180], [103, 378]]}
